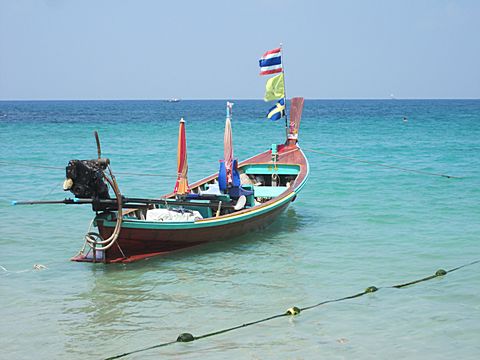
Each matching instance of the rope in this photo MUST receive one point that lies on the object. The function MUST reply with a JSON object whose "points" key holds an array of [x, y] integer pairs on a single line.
{"points": [[91, 237], [36, 267], [30, 165], [187, 337], [55, 185], [2, 162], [139, 174], [145, 349], [384, 165]]}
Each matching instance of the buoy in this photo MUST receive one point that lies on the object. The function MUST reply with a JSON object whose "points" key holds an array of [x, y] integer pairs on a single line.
{"points": [[440, 272], [185, 337], [293, 311], [371, 289]]}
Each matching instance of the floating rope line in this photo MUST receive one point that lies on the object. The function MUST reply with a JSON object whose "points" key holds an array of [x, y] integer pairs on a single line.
{"points": [[384, 165], [63, 168], [187, 337]]}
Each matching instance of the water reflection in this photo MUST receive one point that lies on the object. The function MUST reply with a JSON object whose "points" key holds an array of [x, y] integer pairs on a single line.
{"points": [[120, 302], [107, 306]]}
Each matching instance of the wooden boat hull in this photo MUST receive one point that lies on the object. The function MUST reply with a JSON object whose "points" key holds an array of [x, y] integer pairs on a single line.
{"points": [[141, 243], [140, 239]]}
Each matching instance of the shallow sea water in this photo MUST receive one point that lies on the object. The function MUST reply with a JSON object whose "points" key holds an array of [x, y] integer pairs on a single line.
{"points": [[354, 225]]}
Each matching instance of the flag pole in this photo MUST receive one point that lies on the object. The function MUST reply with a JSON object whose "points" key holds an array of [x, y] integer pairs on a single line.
{"points": [[284, 90]]}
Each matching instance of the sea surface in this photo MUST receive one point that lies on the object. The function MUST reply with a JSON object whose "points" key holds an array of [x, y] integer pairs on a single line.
{"points": [[354, 225]]}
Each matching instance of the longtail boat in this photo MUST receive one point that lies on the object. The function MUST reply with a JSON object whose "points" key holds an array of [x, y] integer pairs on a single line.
{"points": [[271, 180], [240, 198], [128, 229]]}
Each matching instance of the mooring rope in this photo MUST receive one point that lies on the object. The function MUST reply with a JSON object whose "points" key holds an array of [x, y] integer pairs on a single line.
{"points": [[187, 337], [2, 162], [383, 165], [144, 174]]}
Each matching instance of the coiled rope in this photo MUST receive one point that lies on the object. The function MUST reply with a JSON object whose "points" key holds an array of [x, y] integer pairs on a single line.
{"points": [[383, 165], [94, 240], [187, 337]]}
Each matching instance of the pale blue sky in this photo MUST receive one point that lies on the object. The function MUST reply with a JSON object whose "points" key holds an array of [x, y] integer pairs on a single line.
{"points": [[147, 49]]}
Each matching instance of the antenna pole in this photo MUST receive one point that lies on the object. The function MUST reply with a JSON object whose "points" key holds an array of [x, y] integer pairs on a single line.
{"points": [[284, 91]]}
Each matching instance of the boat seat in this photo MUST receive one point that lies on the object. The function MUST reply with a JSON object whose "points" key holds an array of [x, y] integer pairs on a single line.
{"points": [[268, 191]]}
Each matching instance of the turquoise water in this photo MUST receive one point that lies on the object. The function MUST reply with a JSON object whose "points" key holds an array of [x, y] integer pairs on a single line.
{"points": [[354, 225]]}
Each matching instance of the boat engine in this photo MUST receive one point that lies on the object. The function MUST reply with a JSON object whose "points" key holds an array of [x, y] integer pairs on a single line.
{"points": [[85, 179]]}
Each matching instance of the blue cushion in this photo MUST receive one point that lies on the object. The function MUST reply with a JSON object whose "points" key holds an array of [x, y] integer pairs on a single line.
{"points": [[235, 174], [222, 177]]}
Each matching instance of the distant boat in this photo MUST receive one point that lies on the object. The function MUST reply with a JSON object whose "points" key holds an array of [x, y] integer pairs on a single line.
{"points": [[392, 97], [173, 100]]}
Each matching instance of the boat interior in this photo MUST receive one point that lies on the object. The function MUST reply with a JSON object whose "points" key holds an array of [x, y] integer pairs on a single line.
{"points": [[256, 184]]}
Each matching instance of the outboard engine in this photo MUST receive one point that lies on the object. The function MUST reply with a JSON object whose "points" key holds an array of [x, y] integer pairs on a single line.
{"points": [[85, 179]]}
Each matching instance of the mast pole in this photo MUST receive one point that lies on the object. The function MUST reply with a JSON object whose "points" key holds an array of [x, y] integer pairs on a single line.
{"points": [[284, 91]]}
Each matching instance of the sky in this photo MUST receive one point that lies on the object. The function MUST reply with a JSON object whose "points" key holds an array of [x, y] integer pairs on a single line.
{"points": [[148, 49]]}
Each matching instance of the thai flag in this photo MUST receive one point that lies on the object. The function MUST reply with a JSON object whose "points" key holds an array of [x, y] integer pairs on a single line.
{"points": [[271, 62]]}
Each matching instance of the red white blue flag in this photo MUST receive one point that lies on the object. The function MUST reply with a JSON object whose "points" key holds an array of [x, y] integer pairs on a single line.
{"points": [[271, 62]]}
